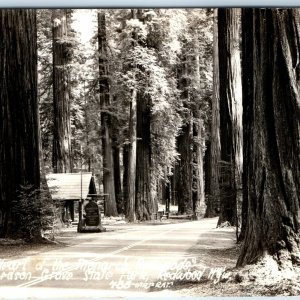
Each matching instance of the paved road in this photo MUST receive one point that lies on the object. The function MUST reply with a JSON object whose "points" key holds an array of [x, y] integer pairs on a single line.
{"points": [[126, 260]]}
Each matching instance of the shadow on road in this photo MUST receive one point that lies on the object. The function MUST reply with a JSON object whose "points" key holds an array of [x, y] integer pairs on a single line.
{"points": [[214, 251]]}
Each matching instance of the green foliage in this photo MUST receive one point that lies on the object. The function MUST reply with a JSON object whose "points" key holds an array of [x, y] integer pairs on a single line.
{"points": [[143, 54], [45, 81], [146, 68], [34, 210]]}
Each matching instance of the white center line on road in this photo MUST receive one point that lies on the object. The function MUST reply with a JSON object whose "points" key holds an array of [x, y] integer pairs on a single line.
{"points": [[73, 268]]}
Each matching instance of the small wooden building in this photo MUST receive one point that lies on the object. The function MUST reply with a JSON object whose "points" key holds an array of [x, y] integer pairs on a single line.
{"points": [[68, 190]]}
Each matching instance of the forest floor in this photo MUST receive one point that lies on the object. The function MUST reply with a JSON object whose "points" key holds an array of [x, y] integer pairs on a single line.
{"points": [[261, 279]]}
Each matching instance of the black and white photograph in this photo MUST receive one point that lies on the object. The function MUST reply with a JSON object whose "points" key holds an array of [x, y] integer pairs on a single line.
{"points": [[149, 152]]}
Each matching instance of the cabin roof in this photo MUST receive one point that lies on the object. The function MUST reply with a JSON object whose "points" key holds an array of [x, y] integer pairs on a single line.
{"points": [[67, 186]]}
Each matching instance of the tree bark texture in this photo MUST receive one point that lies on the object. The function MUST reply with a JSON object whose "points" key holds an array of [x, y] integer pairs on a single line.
{"points": [[61, 156], [173, 180], [144, 205], [213, 199], [183, 173], [207, 172], [140, 198], [130, 208], [199, 201], [230, 113], [198, 142], [117, 177], [132, 148], [125, 176], [164, 192], [19, 127], [247, 90], [108, 161], [273, 175]]}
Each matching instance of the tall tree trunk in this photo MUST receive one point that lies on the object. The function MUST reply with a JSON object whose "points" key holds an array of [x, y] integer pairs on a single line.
{"points": [[141, 204], [273, 175], [207, 171], [198, 143], [108, 162], [130, 208], [184, 171], [199, 201], [125, 177], [184, 167], [248, 85], [144, 205], [173, 180], [61, 158], [164, 191], [132, 148], [117, 177], [87, 129], [19, 127], [230, 113], [213, 199]]}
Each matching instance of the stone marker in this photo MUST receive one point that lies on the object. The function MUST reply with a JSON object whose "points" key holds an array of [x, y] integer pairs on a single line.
{"points": [[92, 216], [92, 219]]}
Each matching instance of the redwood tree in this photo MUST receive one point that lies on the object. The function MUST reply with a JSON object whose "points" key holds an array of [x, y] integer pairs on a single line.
{"points": [[19, 126], [273, 174], [130, 150], [247, 82], [117, 181], [230, 113], [198, 128], [144, 206], [108, 161], [61, 157], [141, 204], [131, 159], [184, 167], [213, 201], [184, 171]]}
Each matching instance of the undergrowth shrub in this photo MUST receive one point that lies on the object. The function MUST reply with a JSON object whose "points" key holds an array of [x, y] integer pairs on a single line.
{"points": [[34, 212]]}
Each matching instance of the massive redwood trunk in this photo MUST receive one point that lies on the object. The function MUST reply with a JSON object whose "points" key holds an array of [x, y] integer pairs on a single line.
{"points": [[247, 82], [199, 194], [130, 183], [230, 113], [198, 142], [130, 204], [144, 205], [273, 145], [61, 157], [19, 126], [108, 161], [213, 199], [141, 204], [183, 173]]}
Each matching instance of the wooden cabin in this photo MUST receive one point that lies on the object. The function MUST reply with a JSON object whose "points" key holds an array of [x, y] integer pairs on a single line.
{"points": [[69, 190]]}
